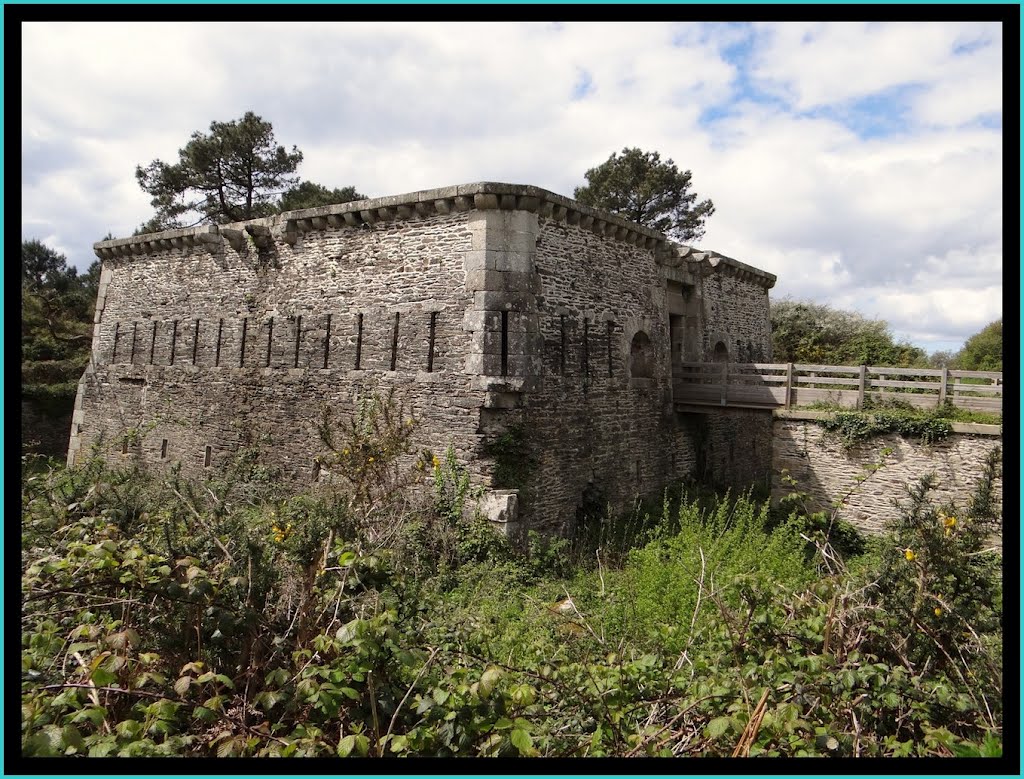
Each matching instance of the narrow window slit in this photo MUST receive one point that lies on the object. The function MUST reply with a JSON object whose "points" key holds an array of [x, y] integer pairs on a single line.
{"points": [[220, 332], [327, 341], [611, 334], [316, 470], [394, 343], [163, 449], [561, 357], [195, 342], [504, 343], [430, 343], [174, 338], [117, 332], [209, 457], [359, 340], [270, 339], [298, 339], [245, 329], [586, 349], [135, 330], [124, 446], [152, 343]]}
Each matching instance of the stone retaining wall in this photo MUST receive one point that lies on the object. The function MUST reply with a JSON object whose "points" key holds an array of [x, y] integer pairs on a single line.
{"points": [[826, 471]]}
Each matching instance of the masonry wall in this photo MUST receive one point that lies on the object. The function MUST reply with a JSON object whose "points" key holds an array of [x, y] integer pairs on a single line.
{"points": [[533, 334], [826, 471], [240, 346], [734, 447], [736, 313], [598, 437]]}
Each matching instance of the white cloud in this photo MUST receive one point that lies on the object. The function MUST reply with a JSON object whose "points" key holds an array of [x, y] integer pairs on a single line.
{"points": [[818, 64], [883, 222]]}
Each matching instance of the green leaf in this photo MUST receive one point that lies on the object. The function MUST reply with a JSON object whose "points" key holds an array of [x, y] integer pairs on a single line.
{"points": [[718, 726], [488, 680], [203, 714], [346, 745], [181, 686], [521, 740], [72, 739], [965, 749], [101, 677]]}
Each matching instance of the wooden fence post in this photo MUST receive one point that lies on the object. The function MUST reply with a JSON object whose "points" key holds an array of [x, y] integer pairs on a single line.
{"points": [[942, 386], [861, 385], [789, 385]]}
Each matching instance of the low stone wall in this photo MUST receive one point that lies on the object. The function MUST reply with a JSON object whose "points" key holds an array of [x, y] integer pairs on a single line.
{"points": [[826, 471]]}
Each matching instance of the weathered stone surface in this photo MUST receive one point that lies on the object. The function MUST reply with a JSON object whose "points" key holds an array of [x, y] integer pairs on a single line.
{"points": [[489, 309], [826, 471]]}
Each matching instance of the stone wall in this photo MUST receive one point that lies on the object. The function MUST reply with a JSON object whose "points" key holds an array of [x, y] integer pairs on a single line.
{"points": [[734, 447], [598, 433], [826, 471], [533, 334], [736, 313], [213, 349]]}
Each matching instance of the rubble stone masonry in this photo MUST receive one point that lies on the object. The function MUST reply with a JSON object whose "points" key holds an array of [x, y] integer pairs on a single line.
{"points": [[535, 335]]}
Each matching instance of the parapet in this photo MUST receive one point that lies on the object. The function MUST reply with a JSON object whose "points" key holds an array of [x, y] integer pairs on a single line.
{"points": [[288, 226]]}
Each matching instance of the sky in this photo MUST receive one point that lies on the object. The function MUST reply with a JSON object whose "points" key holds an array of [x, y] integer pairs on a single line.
{"points": [[861, 163]]}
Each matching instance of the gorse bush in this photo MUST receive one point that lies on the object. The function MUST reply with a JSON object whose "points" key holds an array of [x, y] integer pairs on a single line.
{"points": [[162, 617]]}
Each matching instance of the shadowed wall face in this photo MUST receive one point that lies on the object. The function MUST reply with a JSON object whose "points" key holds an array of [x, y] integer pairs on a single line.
{"points": [[827, 472]]}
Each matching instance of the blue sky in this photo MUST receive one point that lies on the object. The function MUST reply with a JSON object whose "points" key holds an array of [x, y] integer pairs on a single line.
{"points": [[859, 162]]}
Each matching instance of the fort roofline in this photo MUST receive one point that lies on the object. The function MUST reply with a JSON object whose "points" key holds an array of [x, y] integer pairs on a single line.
{"points": [[483, 195]]}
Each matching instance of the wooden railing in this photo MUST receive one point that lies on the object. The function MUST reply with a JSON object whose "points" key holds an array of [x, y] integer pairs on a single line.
{"points": [[791, 385]]}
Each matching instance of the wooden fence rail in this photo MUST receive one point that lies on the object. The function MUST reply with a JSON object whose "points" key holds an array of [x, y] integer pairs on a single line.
{"points": [[850, 386]]}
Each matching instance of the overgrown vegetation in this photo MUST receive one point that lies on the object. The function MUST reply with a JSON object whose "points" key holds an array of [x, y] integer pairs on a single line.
{"points": [[815, 333], [163, 618], [56, 331], [927, 425]]}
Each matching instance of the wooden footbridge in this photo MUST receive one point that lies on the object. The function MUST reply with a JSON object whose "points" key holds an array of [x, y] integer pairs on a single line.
{"points": [[698, 385]]}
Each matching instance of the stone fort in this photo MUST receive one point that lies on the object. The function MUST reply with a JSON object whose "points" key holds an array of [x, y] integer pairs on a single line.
{"points": [[491, 312]]}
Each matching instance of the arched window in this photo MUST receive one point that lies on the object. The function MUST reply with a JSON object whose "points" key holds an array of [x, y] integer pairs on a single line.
{"points": [[641, 356], [721, 352]]}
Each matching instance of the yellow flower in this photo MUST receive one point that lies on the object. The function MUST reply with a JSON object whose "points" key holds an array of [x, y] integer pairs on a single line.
{"points": [[949, 522], [436, 462], [938, 612], [370, 459], [909, 554]]}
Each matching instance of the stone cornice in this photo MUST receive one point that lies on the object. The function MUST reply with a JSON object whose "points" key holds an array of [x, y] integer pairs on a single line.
{"points": [[713, 262], [286, 227]]}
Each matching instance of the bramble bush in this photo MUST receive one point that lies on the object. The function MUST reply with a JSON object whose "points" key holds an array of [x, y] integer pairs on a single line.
{"points": [[379, 616]]}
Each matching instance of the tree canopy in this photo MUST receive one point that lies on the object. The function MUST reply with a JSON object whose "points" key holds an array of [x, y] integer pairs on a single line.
{"points": [[234, 172], [806, 332], [309, 195], [57, 306], [983, 351], [637, 185]]}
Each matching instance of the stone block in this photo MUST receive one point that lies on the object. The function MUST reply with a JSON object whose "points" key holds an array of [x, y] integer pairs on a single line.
{"points": [[500, 507], [485, 201], [508, 282]]}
